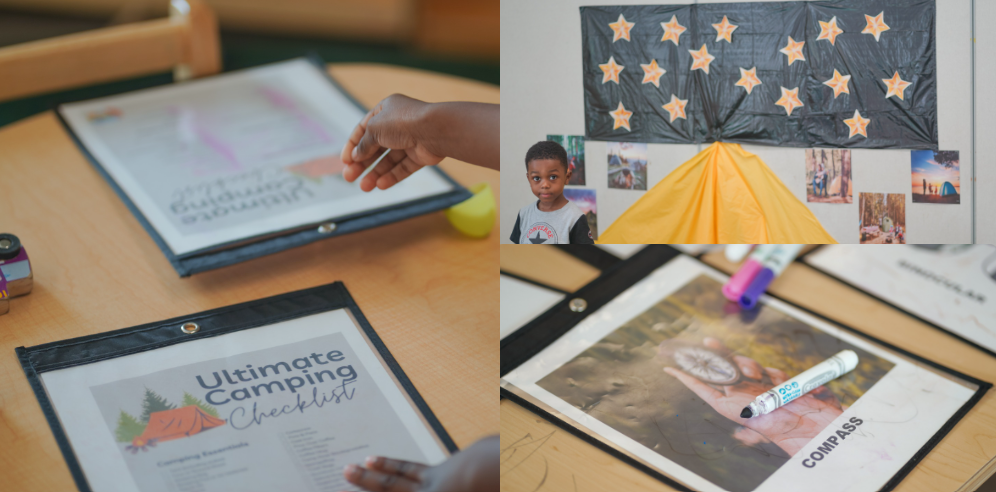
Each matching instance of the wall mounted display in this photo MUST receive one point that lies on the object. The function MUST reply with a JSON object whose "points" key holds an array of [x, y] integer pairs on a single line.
{"points": [[936, 176], [882, 218], [828, 176], [574, 145], [851, 73], [585, 200], [627, 165]]}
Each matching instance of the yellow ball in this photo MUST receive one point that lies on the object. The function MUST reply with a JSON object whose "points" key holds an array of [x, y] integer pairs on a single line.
{"points": [[474, 216]]}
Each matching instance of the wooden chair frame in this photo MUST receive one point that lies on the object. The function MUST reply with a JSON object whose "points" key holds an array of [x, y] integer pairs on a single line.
{"points": [[186, 42]]}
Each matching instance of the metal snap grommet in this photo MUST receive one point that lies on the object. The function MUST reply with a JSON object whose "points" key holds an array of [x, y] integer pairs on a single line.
{"points": [[578, 305], [190, 327], [326, 227]]}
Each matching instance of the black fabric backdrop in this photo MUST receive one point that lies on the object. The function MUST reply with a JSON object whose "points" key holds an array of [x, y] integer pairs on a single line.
{"points": [[718, 110]]}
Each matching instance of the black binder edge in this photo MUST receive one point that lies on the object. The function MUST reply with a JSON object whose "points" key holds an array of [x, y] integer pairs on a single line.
{"points": [[319, 299], [204, 260], [622, 276]]}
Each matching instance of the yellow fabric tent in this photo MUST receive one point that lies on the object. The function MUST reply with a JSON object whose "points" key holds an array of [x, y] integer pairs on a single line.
{"points": [[723, 195]]}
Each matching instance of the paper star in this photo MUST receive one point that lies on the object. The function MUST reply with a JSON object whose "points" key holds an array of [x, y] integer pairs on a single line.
{"points": [[858, 125], [652, 73], [620, 29], [829, 30], [676, 108], [748, 79], [621, 117], [672, 30], [611, 70], [724, 30], [875, 25], [896, 86], [794, 50], [838, 83], [701, 59], [790, 100]]}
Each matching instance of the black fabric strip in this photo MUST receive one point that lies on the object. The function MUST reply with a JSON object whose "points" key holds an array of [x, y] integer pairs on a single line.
{"points": [[53, 421], [150, 336], [537, 335], [533, 282], [592, 255], [215, 322]]}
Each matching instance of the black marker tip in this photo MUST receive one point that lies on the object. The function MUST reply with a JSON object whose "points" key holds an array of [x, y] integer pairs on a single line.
{"points": [[746, 413]]}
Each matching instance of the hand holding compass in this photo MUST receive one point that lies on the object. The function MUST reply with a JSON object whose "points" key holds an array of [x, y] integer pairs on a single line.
{"points": [[729, 382]]}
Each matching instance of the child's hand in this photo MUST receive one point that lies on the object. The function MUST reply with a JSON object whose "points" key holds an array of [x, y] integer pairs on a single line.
{"points": [[393, 124], [473, 469]]}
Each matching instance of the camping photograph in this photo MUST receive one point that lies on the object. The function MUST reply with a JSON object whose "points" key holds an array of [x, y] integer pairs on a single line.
{"points": [[675, 377], [828, 176], [627, 165], [936, 176], [882, 218], [574, 145], [585, 200]]}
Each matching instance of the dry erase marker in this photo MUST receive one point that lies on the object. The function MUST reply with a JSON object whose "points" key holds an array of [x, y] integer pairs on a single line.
{"points": [[812, 378], [771, 267], [735, 287]]}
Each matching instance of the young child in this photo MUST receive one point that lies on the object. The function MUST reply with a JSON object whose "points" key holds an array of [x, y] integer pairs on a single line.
{"points": [[552, 219]]}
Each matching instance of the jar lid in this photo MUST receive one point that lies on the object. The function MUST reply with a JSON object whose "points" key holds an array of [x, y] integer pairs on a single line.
{"points": [[10, 246]]}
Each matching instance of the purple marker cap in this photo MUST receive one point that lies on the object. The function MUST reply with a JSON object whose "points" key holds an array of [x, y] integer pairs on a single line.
{"points": [[756, 288], [735, 287]]}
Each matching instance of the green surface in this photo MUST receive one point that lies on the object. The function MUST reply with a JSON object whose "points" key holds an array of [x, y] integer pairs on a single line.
{"points": [[247, 50]]}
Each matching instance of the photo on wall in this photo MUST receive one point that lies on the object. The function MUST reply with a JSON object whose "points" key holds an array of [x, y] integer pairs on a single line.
{"points": [[585, 200], [574, 145], [882, 218], [627, 165], [828, 176], [936, 176]]}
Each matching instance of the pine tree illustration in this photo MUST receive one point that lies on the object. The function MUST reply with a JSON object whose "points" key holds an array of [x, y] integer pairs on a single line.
{"points": [[153, 403], [128, 428], [189, 399]]}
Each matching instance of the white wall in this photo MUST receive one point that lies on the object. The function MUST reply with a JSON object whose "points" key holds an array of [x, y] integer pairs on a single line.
{"points": [[541, 81], [985, 121]]}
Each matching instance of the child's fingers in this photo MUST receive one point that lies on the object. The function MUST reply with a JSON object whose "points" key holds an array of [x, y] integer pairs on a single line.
{"points": [[376, 481], [407, 469], [369, 144], [383, 167], [356, 136], [401, 170], [356, 169]]}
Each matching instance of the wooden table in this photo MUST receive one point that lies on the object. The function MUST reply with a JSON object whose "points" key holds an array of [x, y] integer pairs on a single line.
{"points": [[429, 292], [963, 460]]}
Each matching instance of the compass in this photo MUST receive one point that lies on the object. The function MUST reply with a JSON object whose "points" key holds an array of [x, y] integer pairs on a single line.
{"points": [[702, 362]]}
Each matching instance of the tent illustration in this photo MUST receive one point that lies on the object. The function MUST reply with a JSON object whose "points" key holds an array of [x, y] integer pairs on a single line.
{"points": [[722, 195], [161, 421], [948, 189], [176, 423]]}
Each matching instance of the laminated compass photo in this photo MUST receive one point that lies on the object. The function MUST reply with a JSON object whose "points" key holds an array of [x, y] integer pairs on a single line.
{"points": [[675, 378], [658, 376]]}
